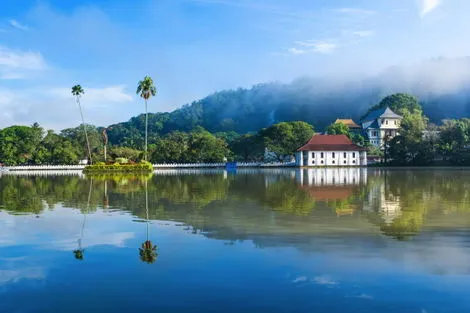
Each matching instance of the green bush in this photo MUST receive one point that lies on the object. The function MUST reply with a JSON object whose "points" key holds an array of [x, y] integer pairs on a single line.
{"points": [[142, 167], [122, 160]]}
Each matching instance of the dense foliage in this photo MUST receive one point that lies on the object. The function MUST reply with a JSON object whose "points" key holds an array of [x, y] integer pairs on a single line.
{"points": [[179, 137], [341, 129]]}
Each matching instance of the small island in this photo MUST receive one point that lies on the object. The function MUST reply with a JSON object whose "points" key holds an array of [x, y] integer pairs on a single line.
{"points": [[120, 166]]}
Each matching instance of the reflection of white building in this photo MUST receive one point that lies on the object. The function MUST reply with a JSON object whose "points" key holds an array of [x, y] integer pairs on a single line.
{"points": [[331, 176], [331, 150], [386, 205]]}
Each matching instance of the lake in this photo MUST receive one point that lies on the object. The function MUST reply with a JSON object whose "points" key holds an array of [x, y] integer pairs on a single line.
{"points": [[277, 240]]}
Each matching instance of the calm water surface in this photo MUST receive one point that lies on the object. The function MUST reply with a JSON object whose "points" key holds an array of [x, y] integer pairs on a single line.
{"points": [[342, 240]]}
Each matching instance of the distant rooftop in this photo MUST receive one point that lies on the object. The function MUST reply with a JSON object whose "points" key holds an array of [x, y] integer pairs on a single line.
{"points": [[348, 122], [330, 143], [381, 113]]}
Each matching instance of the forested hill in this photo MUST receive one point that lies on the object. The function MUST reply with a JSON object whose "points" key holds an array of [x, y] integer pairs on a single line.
{"points": [[442, 86]]}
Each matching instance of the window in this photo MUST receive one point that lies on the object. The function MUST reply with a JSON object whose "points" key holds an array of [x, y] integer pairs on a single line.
{"points": [[321, 162], [321, 155], [333, 163], [354, 161], [313, 162], [333, 155], [386, 122], [313, 155], [344, 162], [354, 154], [344, 155]]}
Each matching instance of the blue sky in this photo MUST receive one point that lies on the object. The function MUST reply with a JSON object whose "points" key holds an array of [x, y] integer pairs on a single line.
{"points": [[195, 47]]}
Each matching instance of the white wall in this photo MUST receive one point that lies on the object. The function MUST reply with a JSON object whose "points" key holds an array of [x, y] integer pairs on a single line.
{"points": [[389, 123], [333, 158], [331, 176]]}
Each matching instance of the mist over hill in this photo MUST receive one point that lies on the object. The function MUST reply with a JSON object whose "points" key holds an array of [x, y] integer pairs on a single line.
{"points": [[442, 86]]}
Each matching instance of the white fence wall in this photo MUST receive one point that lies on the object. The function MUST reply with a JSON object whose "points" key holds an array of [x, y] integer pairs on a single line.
{"points": [[46, 168], [156, 166], [44, 173]]}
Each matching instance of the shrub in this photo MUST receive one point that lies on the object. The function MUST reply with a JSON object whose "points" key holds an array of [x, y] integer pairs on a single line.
{"points": [[122, 160], [142, 167]]}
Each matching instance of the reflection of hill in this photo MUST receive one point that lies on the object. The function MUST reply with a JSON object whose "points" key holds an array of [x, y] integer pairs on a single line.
{"points": [[263, 203]]}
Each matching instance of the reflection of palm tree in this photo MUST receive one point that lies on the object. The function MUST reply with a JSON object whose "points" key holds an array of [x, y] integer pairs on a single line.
{"points": [[79, 253], [148, 251], [106, 200]]}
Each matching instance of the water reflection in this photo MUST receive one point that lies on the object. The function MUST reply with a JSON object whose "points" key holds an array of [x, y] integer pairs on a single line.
{"points": [[255, 240], [148, 251], [79, 253], [397, 203]]}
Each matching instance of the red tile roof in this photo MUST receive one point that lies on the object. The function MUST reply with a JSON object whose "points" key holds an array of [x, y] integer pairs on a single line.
{"points": [[330, 143], [348, 122], [330, 192]]}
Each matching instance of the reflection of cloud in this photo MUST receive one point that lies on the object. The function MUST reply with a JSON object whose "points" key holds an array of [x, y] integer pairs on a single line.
{"points": [[324, 280], [299, 279], [21, 258], [113, 239], [365, 296], [14, 276], [63, 227]]}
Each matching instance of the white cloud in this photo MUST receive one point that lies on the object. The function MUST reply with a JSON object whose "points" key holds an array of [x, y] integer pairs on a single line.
{"points": [[18, 25], [15, 64], [54, 106], [355, 11], [364, 33], [21, 59], [427, 6], [297, 51], [317, 46], [115, 94]]}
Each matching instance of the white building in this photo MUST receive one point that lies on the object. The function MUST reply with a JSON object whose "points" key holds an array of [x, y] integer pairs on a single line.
{"points": [[331, 150], [380, 125]]}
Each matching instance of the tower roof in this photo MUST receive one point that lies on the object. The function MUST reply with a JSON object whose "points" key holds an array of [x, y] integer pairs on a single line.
{"points": [[385, 112]]}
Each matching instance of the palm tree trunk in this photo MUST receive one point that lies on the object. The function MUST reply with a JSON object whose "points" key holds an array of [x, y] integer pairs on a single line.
{"points": [[146, 129], [84, 130]]}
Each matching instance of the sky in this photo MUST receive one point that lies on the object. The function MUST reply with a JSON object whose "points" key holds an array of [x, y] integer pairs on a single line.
{"points": [[192, 48]]}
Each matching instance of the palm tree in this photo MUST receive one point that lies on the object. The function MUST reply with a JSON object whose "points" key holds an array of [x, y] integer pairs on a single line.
{"points": [[78, 91], [146, 89], [148, 251]]}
